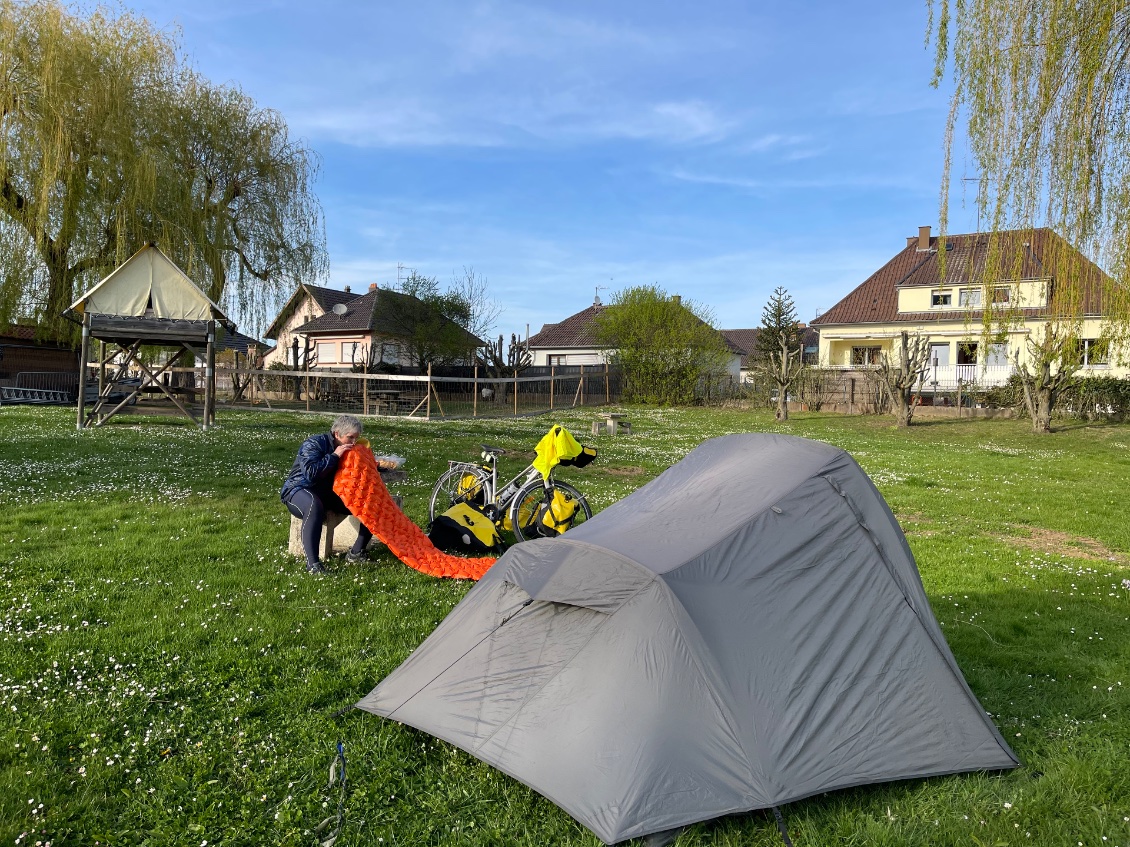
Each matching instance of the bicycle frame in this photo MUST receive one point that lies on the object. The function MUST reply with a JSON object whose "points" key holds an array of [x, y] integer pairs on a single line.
{"points": [[509, 489]]}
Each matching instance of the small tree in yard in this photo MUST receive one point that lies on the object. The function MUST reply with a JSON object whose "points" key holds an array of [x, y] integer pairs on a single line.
{"points": [[1050, 370], [903, 379], [436, 321], [780, 347], [664, 346], [498, 365], [815, 386]]}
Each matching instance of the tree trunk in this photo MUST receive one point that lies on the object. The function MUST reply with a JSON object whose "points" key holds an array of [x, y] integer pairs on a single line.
{"points": [[60, 291], [905, 411], [782, 404], [1042, 419]]}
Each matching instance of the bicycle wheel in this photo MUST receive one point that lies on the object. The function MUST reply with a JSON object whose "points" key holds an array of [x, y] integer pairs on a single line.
{"points": [[524, 507], [458, 485]]}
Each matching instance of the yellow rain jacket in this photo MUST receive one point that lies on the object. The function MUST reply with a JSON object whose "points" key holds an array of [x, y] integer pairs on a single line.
{"points": [[557, 444]]}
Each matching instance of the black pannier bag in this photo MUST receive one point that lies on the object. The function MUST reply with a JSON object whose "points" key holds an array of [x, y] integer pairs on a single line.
{"points": [[465, 528]]}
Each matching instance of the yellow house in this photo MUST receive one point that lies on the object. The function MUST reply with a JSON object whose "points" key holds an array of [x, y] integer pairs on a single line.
{"points": [[1013, 275]]}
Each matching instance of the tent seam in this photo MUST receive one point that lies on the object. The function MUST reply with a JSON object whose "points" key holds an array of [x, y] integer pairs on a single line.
{"points": [[724, 712], [820, 473], [460, 658], [525, 702], [955, 671]]}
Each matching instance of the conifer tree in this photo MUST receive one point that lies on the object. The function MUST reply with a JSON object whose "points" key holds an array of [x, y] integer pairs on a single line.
{"points": [[780, 349]]}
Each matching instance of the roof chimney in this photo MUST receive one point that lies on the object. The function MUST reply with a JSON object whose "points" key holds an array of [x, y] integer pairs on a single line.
{"points": [[347, 291], [678, 299], [372, 286], [923, 239]]}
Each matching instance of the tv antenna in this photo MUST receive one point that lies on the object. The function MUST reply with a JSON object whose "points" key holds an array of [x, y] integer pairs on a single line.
{"points": [[981, 181], [596, 297]]}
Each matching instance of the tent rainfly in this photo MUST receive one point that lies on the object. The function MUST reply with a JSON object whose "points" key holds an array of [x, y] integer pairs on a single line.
{"points": [[146, 300], [746, 630]]}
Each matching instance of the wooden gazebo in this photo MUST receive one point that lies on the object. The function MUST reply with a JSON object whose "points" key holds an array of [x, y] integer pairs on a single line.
{"points": [[147, 300]]}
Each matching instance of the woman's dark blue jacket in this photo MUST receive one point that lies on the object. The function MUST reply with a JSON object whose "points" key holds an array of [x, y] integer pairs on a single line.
{"points": [[314, 466]]}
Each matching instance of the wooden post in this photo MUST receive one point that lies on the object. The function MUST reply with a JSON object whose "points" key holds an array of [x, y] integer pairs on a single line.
{"points": [[428, 413], [552, 370], [83, 356], [101, 367], [959, 398], [607, 394], [475, 394], [210, 377], [582, 385], [515, 393], [365, 393], [307, 369]]}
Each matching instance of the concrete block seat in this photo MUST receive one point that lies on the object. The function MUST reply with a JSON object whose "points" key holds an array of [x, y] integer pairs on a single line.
{"points": [[611, 424], [339, 532]]}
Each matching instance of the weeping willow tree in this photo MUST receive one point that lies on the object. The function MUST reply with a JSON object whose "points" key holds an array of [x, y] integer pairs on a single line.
{"points": [[1044, 86], [244, 213], [107, 141]]}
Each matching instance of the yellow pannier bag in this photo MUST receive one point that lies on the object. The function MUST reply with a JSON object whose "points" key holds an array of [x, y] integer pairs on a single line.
{"points": [[556, 515]]}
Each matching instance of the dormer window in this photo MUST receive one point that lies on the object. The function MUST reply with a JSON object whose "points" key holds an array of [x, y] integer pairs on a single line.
{"points": [[969, 297], [1002, 295], [941, 298]]}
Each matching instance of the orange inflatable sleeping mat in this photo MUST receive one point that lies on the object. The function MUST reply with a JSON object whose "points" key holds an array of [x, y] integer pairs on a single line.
{"points": [[359, 485]]}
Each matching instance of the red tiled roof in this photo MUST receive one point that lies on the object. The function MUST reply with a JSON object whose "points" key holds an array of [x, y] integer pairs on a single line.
{"points": [[744, 339], [381, 311], [33, 333], [326, 298], [577, 331], [1014, 254], [747, 340]]}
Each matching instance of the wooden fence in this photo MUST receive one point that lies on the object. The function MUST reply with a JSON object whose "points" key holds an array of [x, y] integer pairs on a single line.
{"points": [[425, 395]]}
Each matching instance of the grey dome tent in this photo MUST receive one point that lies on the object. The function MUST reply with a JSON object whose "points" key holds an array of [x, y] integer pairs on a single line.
{"points": [[747, 629]]}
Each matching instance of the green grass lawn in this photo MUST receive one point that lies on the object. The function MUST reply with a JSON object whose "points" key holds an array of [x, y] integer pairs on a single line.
{"points": [[169, 675]]}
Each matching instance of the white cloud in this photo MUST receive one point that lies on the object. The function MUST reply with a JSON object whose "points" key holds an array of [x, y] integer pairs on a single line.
{"points": [[839, 180]]}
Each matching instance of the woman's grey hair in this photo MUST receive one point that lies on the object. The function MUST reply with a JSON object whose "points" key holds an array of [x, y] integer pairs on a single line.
{"points": [[346, 425]]}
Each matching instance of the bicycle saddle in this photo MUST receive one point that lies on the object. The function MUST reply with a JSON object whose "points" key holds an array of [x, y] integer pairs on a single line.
{"points": [[494, 451]]}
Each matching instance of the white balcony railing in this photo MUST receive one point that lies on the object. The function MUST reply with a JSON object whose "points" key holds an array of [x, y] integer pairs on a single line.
{"points": [[947, 377]]}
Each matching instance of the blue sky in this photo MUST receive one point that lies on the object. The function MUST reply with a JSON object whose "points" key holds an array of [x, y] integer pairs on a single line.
{"points": [[717, 149]]}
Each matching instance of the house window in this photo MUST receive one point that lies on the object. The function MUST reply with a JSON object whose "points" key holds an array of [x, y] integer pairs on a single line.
{"points": [[997, 356], [940, 354], [1002, 295], [326, 351], [969, 297], [1096, 351], [941, 298], [967, 352], [352, 352], [864, 356], [556, 361]]}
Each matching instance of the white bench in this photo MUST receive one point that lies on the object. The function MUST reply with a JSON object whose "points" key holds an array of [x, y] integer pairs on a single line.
{"points": [[611, 424]]}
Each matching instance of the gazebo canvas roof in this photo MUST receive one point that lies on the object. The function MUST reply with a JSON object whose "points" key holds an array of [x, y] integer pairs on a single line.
{"points": [[149, 279]]}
